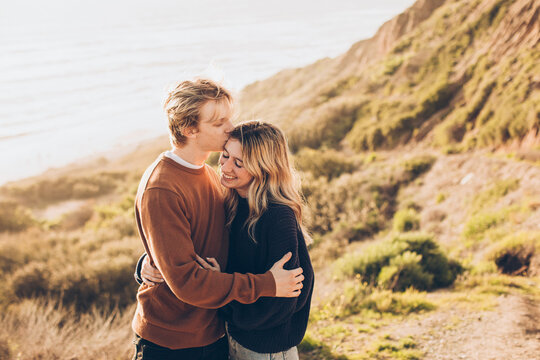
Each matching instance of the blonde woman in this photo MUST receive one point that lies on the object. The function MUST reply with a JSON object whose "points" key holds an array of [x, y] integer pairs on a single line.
{"points": [[264, 217]]}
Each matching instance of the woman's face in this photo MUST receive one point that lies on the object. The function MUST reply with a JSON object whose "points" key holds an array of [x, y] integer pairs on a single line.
{"points": [[233, 173]]}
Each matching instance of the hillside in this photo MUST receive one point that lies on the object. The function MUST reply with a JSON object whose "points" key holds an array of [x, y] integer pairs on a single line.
{"points": [[457, 75], [419, 154]]}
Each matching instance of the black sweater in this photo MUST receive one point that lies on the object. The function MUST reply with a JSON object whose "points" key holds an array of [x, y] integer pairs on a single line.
{"points": [[270, 324]]}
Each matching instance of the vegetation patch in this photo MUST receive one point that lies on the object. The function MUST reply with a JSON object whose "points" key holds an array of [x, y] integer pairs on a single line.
{"points": [[324, 162], [49, 191], [402, 261], [388, 348], [314, 349], [513, 254], [361, 298], [489, 197], [406, 220], [14, 217]]}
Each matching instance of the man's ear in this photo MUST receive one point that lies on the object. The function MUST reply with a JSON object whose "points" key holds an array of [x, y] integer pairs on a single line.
{"points": [[190, 132]]}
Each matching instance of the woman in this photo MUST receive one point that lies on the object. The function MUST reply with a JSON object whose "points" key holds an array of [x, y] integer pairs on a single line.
{"points": [[264, 211]]}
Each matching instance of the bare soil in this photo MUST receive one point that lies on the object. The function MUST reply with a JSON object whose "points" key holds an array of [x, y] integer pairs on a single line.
{"points": [[510, 331]]}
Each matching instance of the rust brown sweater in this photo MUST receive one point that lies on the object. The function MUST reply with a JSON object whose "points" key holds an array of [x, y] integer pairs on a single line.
{"points": [[180, 213]]}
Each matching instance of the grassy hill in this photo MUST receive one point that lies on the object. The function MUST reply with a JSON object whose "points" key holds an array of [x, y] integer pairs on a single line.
{"points": [[419, 153], [456, 75]]}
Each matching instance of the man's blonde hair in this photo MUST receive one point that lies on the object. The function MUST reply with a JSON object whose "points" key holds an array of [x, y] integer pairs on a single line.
{"points": [[184, 103]]}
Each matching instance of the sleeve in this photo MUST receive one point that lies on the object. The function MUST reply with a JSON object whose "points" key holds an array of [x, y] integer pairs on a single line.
{"points": [[168, 243], [138, 269], [267, 312]]}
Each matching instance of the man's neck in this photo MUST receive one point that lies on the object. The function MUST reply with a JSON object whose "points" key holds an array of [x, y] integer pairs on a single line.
{"points": [[191, 154]]}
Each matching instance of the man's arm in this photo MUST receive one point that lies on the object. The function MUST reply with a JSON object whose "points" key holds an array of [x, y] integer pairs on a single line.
{"points": [[170, 247]]}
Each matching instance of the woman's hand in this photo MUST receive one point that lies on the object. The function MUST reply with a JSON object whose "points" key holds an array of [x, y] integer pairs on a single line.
{"points": [[150, 275], [208, 264]]}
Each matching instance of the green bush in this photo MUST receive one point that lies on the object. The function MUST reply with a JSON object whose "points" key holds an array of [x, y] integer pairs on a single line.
{"points": [[418, 165], [513, 254], [359, 297], [314, 349], [440, 198], [489, 197], [478, 224], [363, 200], [326, 125], [406, 220], [404, 270], [405, 260], [324, 162]]}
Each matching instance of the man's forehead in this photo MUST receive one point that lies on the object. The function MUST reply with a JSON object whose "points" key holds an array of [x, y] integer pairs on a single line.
{"points": [[215, 110]]}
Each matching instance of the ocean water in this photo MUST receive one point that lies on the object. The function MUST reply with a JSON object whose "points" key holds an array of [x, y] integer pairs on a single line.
{"points": [[79, 78]]}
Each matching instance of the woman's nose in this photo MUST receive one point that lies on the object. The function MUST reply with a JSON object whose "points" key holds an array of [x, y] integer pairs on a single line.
{"points": [[226, 167]]}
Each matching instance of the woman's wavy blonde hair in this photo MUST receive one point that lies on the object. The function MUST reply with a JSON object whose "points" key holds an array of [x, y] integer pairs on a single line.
{"points": [[266, 157]]}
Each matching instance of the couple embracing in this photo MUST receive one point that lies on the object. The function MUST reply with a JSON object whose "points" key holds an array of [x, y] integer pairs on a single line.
{"points": [[227, 274]]}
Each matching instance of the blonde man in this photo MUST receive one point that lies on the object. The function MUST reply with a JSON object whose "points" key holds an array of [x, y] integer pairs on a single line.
{"points": [[180, 215]]}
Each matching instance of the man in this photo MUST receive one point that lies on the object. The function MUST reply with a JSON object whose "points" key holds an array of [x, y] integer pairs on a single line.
{"points": [[180, 216]]}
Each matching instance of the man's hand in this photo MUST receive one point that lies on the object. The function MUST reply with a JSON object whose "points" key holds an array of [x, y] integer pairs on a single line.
{"points": [[288, 282], [149, 274]]}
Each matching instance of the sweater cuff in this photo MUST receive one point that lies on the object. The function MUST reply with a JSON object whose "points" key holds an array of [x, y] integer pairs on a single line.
{"points": [[269, 284]]}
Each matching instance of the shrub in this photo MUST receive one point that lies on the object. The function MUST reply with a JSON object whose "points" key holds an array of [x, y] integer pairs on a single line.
{"points": [[478, 224], [31, 280], [489, 197], [317, 350], [392, 64], [363, 199], [404, 270], [418, 165], [11, 257], [406, 220], [391, 263], [14, 217], [354, 232], [513, 254], [369, 263], [48, 191], [359, 297], [325, 162], [5, 352], [440, 198], [77, 218], [326, 125], [408, 302]]}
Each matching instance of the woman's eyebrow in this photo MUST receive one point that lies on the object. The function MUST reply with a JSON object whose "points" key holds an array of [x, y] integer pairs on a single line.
{"points": [[227, 151]]}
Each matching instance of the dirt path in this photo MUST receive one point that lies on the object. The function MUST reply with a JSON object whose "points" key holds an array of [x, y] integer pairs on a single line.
{"points": [[511, 331]]}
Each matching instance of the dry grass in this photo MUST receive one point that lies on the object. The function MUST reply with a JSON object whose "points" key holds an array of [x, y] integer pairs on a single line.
{"points": [[38, 329]]}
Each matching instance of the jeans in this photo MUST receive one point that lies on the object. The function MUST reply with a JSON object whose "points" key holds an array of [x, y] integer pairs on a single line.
{"points": [[238, 352], [146, 350]]}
